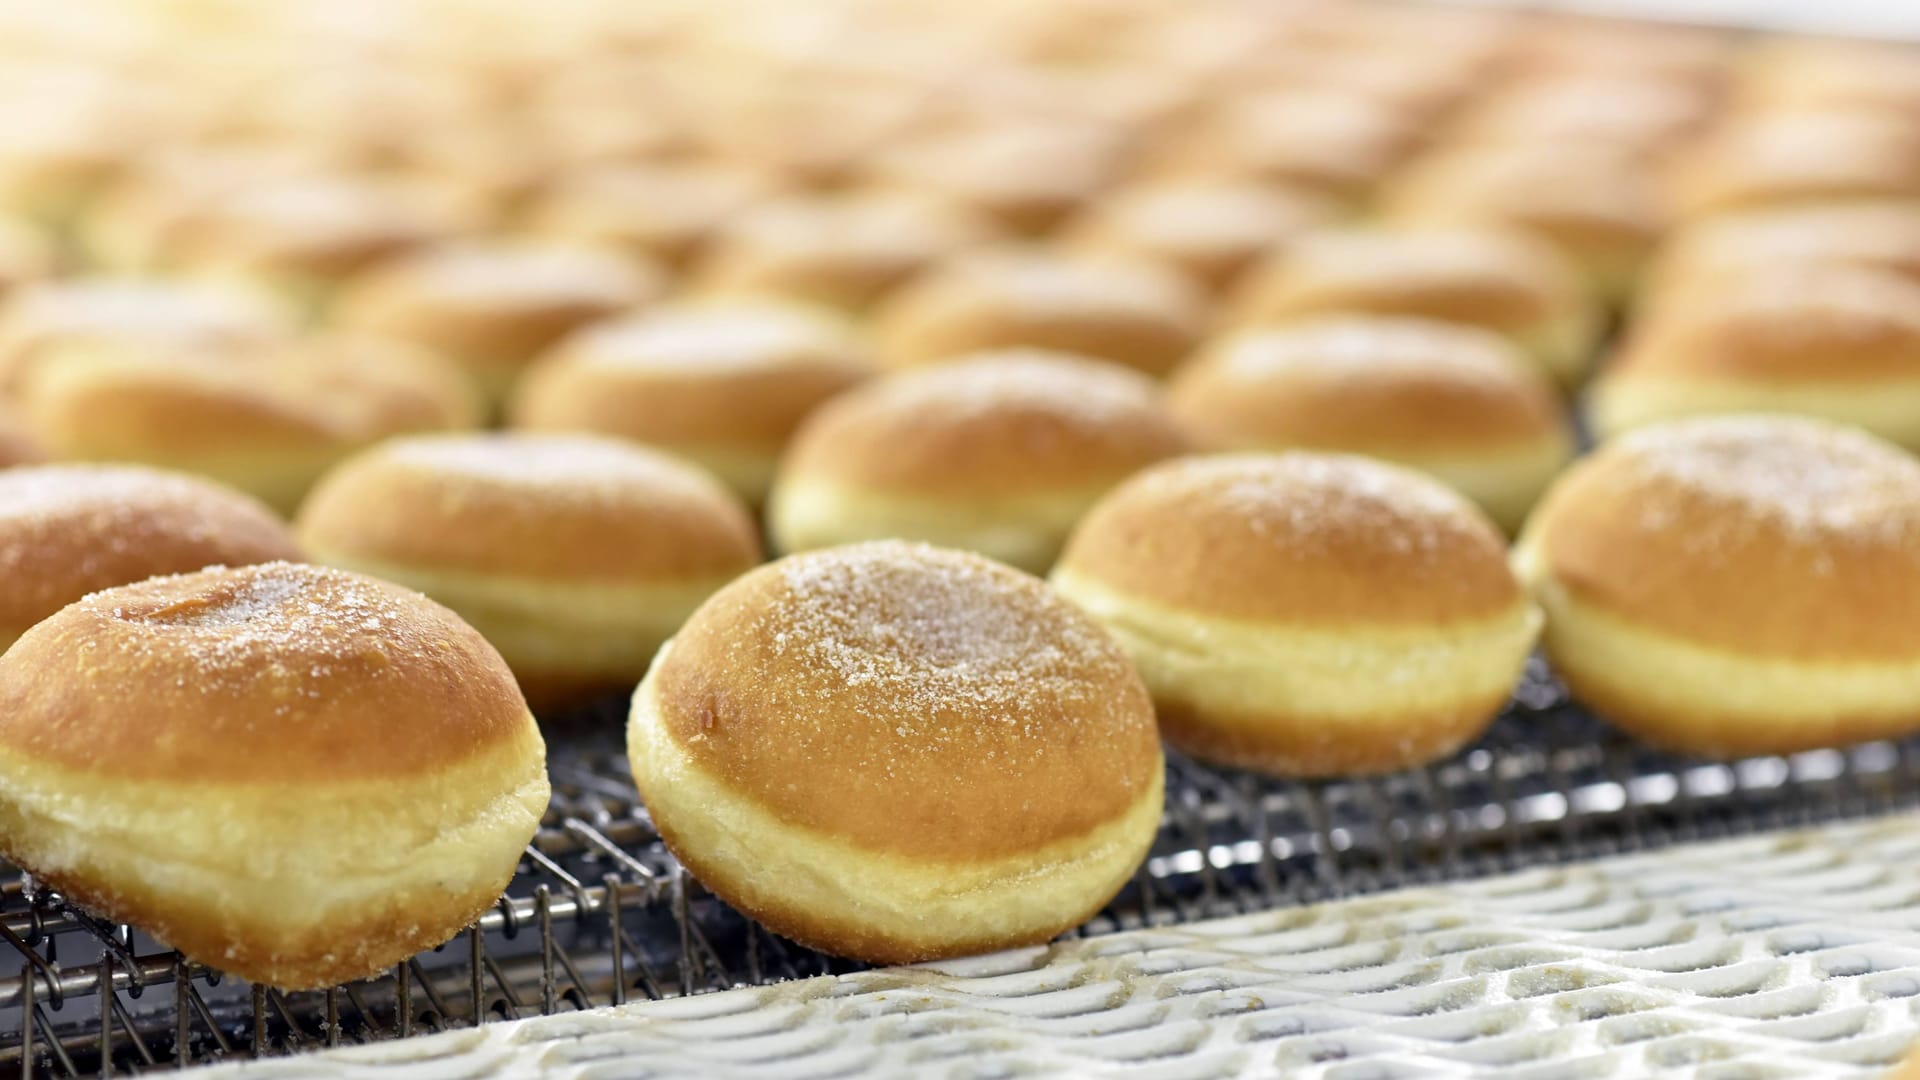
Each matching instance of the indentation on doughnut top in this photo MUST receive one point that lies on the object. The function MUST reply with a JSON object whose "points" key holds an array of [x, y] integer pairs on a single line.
{"points": [[912, 699], [277, 671]]}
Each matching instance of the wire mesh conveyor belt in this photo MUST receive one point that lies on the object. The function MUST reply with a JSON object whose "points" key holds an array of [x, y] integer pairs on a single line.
{"points": [[601, 915]]}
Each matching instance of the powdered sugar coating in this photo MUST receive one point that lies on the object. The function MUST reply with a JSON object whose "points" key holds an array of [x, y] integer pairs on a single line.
{"points": [[547, 466], [1086, 394], [1812, 479], [718, 338], [1383, 347], [528, 276], [910, 697], [1304, 501]]}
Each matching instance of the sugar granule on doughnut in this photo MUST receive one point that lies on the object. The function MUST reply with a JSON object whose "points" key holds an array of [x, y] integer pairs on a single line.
{"points": [[1736, 585], [895, 752], [1305, 614], [325, 774]]}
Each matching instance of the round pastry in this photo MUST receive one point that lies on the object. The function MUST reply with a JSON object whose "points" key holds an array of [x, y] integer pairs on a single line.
{"points": [[303, 237], [42, 323], [575, 556], [1140, 315], [492, 307], [844, 251], [1638, 118], [1598, 208], [1000, 454], [267, 421], [1210, 230], [1305, 614], [1459, 404], [1872, 235], [1026, 176], [1485, 277], [70, 530], [1736, 585], [896, 753], [1800, 158], [325, 774], [723, 384], [667, 211], [1812, 74], [17, 446], [1336, 145], [1837, 342]]}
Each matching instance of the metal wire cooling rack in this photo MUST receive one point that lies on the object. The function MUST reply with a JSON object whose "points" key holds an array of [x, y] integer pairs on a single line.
{"points": [[600, 914]]}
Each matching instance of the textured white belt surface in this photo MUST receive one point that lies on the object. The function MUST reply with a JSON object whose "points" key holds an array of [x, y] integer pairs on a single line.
{"points": [[1789, 955]]}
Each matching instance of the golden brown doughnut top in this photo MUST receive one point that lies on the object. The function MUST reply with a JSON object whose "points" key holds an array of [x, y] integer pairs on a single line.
{"points": [[1198, 219], [1788, 321], [1771, 534], [52, 315], [667, 209], [271, 674], [68, 530], [886, 228], [1309, 540], [1484, 277], [1567, 193], [910, 699], [1381, 383], [718, 339], [1872, 235], [1801, 156], [997, 424], [564, 507]]}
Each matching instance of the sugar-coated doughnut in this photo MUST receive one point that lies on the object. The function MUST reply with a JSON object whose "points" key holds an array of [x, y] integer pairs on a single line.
{"points": [[1837, 342], [1736, 585], [1210, 230], [895, 752], [493, 307], [723, 383], [1333, 144], [1598, 207], [846, 251], [1137, 314], [576, 556], [40, 323], [1492, 278], [325, 774], [1024, 176], [267, 420], [1000, 453], [1460, 404], [667, 211], [1872, 235], [1639, 118], [1305, 614], [70, 530], [1787, 159]]}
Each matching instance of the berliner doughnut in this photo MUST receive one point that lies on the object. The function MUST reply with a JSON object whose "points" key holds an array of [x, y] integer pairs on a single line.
{"points": [[844, 251], [1459, 404], [1837, 342], [1025, 176], [1799, 158], [1639, 118], [723, 384], [491, 307], [666, 211], [1736, 585], [1337, 145], [1599, 208], [1137, 314], [895, 753], [1000, 454], [268, 421], [1305, 614], [1210, 230], [1486, 277], [70, 530], [324, 775], [575, 556], [1872, 235], [42, 322]]}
